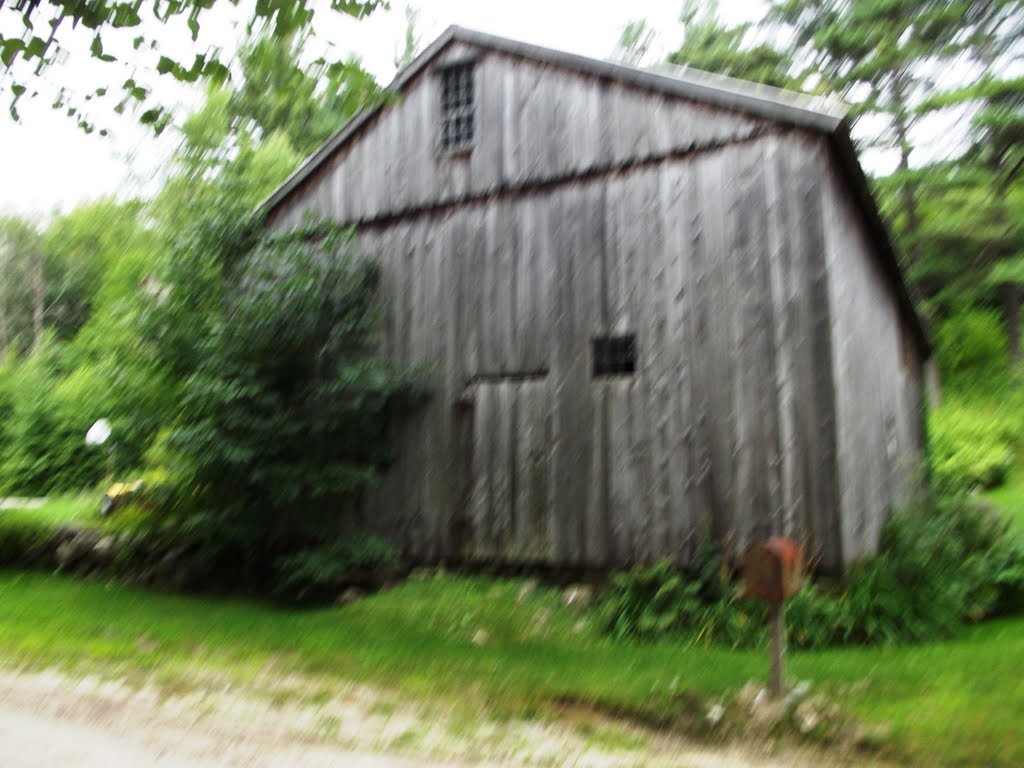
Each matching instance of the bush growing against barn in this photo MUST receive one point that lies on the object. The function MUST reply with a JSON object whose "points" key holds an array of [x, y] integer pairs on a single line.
{"points": [[288, 416], [941, 563]]}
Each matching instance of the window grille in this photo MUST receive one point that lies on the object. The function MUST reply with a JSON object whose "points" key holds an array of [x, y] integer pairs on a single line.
{"points": [[457, 118]]}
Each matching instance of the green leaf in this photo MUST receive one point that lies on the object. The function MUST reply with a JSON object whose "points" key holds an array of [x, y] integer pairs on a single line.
{"points": [[11, 48], [165, 65], [216, 72], [36, 48]]}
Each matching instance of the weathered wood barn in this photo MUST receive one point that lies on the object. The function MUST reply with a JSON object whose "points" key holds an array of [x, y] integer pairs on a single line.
{"points": [[663, 308]]}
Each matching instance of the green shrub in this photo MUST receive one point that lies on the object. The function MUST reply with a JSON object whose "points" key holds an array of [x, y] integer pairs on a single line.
{"points": [[911, 590], [42, 447], [972, 344], [970, 446], [319, 572], [939, 564], [650, 602]]}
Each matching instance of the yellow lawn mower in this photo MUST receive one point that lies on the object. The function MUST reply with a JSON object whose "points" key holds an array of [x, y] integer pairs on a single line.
{"points": [[119, 494]]}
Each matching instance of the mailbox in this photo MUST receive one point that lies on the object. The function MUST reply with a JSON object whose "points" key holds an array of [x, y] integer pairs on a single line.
{"points": [[773, 569]]}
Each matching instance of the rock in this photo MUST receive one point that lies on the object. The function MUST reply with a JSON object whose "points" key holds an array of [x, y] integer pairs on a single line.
{"points": [[812, 714], [74, 545], [578, 596], [526, 589], [350, 595], [542, 617], [806, 718], [748, 693], [104, 549], [715, 715], [65, 553], [765, 712], [797, 694], [579, 627], [872, 737], [480, 637]]}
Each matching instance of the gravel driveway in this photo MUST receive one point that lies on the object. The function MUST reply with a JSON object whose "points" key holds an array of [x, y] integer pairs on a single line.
{"points": [[52, 719]]}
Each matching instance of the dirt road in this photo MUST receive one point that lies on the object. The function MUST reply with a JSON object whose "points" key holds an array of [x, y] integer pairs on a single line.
{"points": [[34, 741], [52, 719], [49, 720]]}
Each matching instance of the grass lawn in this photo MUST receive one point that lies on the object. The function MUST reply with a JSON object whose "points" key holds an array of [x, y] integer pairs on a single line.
{"points": [[81, 509], [960, 701]]}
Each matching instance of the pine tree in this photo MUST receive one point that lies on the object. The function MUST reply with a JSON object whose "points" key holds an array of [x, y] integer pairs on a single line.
{"points": [[881, 56], [710, 45], [995, 30]]}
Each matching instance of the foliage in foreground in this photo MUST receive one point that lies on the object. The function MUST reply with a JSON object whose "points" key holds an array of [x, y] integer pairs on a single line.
{"points": [[939, 565], [971, 445], [289, 413]]}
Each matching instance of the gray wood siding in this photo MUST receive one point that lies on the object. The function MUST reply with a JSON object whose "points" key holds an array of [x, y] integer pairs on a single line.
{"points": [[534, 123], [877, 378], [522, 455]]}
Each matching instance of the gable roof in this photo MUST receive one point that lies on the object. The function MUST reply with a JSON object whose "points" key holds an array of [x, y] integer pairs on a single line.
{"points": [[813, 113]]}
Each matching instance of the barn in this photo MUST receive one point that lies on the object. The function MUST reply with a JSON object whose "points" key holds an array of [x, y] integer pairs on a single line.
{"points": [[659, 308]]}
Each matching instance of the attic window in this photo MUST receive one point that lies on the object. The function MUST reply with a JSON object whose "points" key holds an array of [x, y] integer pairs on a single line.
{"points": [[614, 355], [457, 119]]}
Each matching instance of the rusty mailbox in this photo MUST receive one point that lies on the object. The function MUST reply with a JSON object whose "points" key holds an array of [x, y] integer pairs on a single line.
{"points": [[773, 569]]}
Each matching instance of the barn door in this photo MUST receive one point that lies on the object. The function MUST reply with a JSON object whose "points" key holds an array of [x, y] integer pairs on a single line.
{"points": [[508, 477]]}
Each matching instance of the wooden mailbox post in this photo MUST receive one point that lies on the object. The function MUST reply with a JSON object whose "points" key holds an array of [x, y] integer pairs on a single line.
{"points": [[773, 570]]}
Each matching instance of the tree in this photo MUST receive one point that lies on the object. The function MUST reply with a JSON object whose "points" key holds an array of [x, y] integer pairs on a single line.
{"points": [[710, 45], [994, 43], [634, 42], [244, 141], [86, 250], [879, 55], [900, 62], [23, 283], [124, 36], [275, 93], [411, 42]]}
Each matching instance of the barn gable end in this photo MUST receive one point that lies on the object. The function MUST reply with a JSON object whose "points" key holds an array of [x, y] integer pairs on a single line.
{"points": [[536, 124]]}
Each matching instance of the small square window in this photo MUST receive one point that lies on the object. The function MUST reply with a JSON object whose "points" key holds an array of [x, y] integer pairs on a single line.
{"points": [[614, 355], [457, 119]]}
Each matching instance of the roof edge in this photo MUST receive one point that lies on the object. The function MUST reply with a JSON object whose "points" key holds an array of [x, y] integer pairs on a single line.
{"points": [[879, 231]]}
